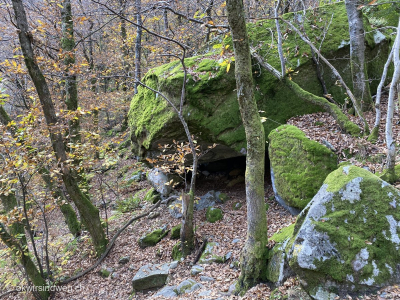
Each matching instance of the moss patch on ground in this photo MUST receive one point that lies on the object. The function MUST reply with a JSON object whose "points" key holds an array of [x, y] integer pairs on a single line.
{"points": [[300, 165]]}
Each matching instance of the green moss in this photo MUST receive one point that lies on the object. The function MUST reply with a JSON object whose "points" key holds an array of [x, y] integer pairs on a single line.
{"points": [[213, 214], [300, 165], [223, 197], [176, 232], [353, 225], [283, 234], [152, 238], [176, 253], [211, 107]]}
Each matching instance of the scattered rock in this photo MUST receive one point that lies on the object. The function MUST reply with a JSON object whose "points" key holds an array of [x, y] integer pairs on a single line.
{"points": [[153, 238], [150, 276], [299, 165], [206, 201], [206, 278], [232, 288], [221, 197], [228, 255], [205, 293], [236, 205], [176, 252], [174, 264], [114, 275], [161, 181], [196, 270], [176, 232], [105, 272], [213, 214], [209, 257], [167, 292], [175, 209], [297, 293], [188, 286], [124, 260], [235, 241]]}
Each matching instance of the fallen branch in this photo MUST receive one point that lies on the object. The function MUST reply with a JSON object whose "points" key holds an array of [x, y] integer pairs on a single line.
{"points": [[200, 251], [9, 292], [111, 244]]}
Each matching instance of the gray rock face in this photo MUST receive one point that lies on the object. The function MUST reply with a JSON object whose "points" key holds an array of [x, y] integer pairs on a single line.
{"points": [[188, 286], [150, 276], [346, 240], [196, 270], [175, 209], [206, 278], [209, 256], [160, 181], [205, 201], [167, 292]]}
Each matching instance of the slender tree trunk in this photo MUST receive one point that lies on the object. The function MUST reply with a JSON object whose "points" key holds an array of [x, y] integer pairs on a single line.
{"points": [[254, 254], [357, 55], [71, 90], [138, 42], [88, 212], [390, 141], [208, 14], [68, 212], [22, 253], [373, 137]]}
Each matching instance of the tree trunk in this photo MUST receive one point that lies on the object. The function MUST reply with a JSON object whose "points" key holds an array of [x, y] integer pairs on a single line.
{"points": [[68, 212], [254, 254], [88, 212], [71, 90], [138, 42], [357, 55], [390, 141]]}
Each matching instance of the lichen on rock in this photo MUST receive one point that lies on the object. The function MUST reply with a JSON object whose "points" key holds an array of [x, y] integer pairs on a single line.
{"points": [[346, 239]]}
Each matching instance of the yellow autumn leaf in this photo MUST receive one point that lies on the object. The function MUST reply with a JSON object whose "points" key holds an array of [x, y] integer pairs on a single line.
{"points": [[228, 67]]}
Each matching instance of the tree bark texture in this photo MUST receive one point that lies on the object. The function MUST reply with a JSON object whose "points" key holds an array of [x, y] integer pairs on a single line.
{"points": [[88, 212], [71, 90], [138, 42], [254, 254], [357, 55]]}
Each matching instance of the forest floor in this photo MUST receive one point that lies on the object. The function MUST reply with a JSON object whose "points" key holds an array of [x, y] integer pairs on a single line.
{"points": [[320, 127]]}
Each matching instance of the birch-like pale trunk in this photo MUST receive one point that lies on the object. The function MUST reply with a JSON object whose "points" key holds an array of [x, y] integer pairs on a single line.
{"points": [[390, 141], [361, 89], [373, 137], [254, 254]]}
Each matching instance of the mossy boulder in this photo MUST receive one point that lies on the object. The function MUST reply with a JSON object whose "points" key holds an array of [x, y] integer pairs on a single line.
{"points": [[213, 214], [298, 165], [152, 238], [347, 239], [209, 255], [176, 232], [277, 267], [176, 253], [211, 108], [151, 276]]}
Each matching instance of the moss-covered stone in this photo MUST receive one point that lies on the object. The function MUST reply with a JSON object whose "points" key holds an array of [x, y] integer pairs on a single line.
{"points": [[176, 253], [299, 165], [152, 238], [209, 256], [347, 239], [211, 107], [213, 214], [283, 234], [176, 232]]}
